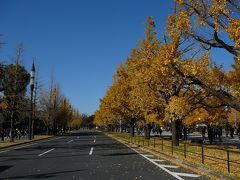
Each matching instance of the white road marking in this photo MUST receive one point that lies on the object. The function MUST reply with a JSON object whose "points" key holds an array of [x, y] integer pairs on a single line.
{"points": [[147, 155], [94, 140], [91, 151], [24, 146], [186, 174], [158, 160], [169, 166], [46, 152], [4, 151], [174, 174], [70, 141]]}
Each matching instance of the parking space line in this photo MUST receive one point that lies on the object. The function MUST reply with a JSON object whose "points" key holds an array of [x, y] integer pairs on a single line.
{"points": [[147, 155], [169, 166], [186, 174], [161, 166], [158, 160]]}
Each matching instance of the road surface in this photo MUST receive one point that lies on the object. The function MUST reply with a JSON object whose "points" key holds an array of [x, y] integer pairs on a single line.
{"points": [[85, 155]]}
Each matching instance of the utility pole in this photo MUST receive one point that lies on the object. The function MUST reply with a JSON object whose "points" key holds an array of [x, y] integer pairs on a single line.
{"points": [[32, 78], [34, 101]]}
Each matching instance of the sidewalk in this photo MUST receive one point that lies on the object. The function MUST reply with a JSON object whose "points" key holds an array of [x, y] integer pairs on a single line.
{"points": [[228, 141]]}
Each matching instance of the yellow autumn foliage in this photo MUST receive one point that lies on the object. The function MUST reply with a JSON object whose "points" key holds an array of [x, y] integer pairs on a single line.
{"points": [[234, 31], [163, 81], [233, 117], [177, 108]]}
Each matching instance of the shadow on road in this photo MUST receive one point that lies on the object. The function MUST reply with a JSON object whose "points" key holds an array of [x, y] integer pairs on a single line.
{"points": [[43, 175], [3, 168]]}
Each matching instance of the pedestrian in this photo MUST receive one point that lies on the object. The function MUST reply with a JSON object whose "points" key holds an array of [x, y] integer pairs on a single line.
{"points": [[2, 135], [210, 134], [219, 133], [184, 133], [231, 132], [238, 131], [203, 133], [160, 131]]}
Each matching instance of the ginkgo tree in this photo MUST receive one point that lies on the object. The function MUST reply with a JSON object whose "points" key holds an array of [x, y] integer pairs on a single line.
{"points": [[176, 79], [215, 24], [142, 97], [115, 106]]}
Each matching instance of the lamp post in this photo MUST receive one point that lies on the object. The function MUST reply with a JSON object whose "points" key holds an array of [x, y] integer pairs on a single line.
{"points": [[32, 78]]}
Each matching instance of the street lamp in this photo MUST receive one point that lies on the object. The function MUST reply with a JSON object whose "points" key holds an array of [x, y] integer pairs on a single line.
{"points": [[32, 78]]}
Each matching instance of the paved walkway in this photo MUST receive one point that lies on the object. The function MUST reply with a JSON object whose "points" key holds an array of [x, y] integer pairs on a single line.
{"points": [[235, 141]]}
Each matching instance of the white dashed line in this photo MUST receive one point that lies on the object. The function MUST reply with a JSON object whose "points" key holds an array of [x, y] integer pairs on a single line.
{"points": [[91, 151], [70, 141], [94, 140], [46, 152]]}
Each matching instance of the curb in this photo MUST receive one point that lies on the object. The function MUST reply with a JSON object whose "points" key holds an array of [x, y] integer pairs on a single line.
{"points": [[205, 171], [28, 142]]}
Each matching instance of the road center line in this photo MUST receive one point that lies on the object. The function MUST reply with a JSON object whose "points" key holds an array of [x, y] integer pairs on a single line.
{"points": [[46, 152], [70, 141], [91, 151], [94, 140]]}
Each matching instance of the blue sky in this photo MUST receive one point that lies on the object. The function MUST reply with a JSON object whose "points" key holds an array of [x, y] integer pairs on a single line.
{"points": [[80, 41]]}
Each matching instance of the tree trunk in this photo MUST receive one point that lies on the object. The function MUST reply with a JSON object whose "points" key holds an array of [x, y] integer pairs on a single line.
{"points": [[32, 135], [147, 130], [54, 127], [132, 127], [180, 131], [12, 127], [175, 132], [47, 130]]}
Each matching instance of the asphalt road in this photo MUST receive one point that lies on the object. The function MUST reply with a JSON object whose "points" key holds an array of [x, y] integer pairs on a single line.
{"points": [[85, 155]]}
